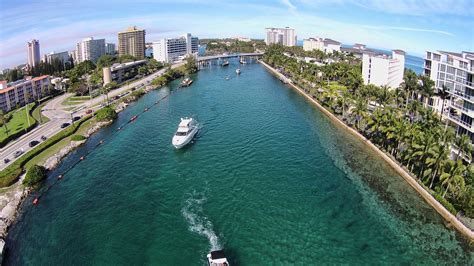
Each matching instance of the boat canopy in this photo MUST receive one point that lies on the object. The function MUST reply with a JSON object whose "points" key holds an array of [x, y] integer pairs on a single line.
{"points": [[217, 254]]}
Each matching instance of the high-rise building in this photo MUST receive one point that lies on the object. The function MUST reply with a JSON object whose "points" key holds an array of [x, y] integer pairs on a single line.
{"points": [[284, 36], [33, 53], [455, 72], [132, 42], [89, 49], [325, 45], [110, 48], [61, 56], [175, 49], [383, 70]]}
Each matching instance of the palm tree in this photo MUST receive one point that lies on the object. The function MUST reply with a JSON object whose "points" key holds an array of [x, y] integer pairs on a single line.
{"points": [[27, 100], [4, 120], [439, 154], [453, 178], [360, 111], [421, 150], [463, 143], [105, 91]]}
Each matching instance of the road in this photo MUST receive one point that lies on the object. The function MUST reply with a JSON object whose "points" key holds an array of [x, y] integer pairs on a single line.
{"points": [[57, 114]]}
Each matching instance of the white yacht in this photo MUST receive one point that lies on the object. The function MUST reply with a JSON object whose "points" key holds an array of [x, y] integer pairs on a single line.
{"points": [[186, 130], [217, 258], [237, 71]]}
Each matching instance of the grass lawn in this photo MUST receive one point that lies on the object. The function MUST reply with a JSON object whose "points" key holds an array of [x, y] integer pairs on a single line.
{"points": [[17, 123], [36, 113], [75, 100], [42, 157]]}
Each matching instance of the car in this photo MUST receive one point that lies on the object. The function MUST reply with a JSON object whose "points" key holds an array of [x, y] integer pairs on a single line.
{"points": [[43, 138], [64, 125], [89, 111], [6, 160], [18, 153], [76, 118], [33, 143]]}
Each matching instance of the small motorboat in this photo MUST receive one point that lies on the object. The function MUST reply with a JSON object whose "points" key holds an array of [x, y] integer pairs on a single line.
{"points": [[237, 71], [242, 61], [187, 128], [186, 82], [225, 63], [217, 258], [133, 118]]}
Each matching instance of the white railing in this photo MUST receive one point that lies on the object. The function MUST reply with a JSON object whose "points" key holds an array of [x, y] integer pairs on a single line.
{"points": [[462, 108], [459, 121]]}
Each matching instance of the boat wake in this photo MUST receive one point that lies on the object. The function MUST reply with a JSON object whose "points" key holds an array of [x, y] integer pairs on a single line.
{"points": [[198, 222]]}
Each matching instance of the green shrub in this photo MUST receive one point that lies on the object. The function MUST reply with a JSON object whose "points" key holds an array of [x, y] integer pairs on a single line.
{"points": [[35, 174], [10, 174], [78, 138], [106, 114], [445, 203]]}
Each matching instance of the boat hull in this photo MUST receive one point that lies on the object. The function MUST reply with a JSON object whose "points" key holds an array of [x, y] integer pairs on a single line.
{"points": [[179, 143]]}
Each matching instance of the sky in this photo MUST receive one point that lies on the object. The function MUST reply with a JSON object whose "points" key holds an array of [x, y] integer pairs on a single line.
{"points": [[411, 25]]}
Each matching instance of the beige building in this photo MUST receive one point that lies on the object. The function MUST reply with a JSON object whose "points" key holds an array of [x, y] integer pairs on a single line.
{"points": [[16, 93], [33, 53], [132, 42]]}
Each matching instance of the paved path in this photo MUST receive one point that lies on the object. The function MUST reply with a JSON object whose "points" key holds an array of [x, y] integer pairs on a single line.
{"points": [[57, 114]]}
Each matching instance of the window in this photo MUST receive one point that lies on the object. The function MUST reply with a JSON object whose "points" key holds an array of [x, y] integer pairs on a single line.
{"points": [[436, 57], [443, 67], [451, 70]]}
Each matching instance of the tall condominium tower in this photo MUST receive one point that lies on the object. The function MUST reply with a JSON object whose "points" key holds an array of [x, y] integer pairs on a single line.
{"points": [[89, 49], [33, 53], [132, 42], [284, 36], [454, 72]]}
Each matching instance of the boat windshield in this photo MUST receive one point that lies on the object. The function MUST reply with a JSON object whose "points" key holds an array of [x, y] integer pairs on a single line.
{"points": [[181, 133]]}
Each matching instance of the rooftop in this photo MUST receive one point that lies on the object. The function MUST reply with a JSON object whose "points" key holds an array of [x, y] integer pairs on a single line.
{"points": [[11, 85]]}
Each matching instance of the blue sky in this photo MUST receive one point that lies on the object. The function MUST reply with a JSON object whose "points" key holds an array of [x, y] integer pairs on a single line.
{"points": [[411, 25]]}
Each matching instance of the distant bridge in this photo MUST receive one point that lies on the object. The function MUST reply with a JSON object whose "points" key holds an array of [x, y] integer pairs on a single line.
{"points": [[214, 57]]}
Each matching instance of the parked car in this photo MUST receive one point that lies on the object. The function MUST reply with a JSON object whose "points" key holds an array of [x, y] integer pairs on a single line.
{"points": [[18, 153], [89, 111], [6, 160], [43, 138], [64, 125], [76, 118], [34, 143]]}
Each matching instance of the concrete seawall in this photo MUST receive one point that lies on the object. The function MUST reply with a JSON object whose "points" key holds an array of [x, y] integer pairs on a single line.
{"points": [[450, 218]]}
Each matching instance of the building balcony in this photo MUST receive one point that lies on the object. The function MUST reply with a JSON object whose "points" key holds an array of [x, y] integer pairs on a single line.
{"points": [[462, 95], [461, 108], [458, 121]]}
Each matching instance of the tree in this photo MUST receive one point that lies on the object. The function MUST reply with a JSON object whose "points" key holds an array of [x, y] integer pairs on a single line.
{"points": [[34, 174], [463, 144], [410, 83], [191, 65], [106, 114], [360, 111], [452, 178], [4, 118], [439, 155], [27, 101]]}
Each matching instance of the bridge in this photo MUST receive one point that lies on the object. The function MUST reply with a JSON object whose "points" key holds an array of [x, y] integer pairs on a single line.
{"points": [[207, 60]]}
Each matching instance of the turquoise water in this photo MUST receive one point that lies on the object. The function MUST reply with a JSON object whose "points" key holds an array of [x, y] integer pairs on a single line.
{"points": [[268, 178]]}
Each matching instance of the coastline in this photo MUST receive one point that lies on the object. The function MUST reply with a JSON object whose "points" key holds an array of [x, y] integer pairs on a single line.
{"points": [[12, 197], [450, 218]]}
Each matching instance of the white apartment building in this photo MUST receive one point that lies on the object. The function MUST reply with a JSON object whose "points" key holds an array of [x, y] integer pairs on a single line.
{"points": [[284, 36], [15, 93], [326, 45], [61, 56], [455, 72], [89, 49], [383, 70], [175, 49]]}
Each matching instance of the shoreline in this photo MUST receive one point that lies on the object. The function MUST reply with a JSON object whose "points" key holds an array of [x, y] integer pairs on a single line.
{"points": [[12, 197], [448, 217]]}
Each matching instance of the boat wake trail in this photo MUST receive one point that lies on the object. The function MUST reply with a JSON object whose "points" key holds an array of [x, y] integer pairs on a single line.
{"points": [[198, 222]]}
